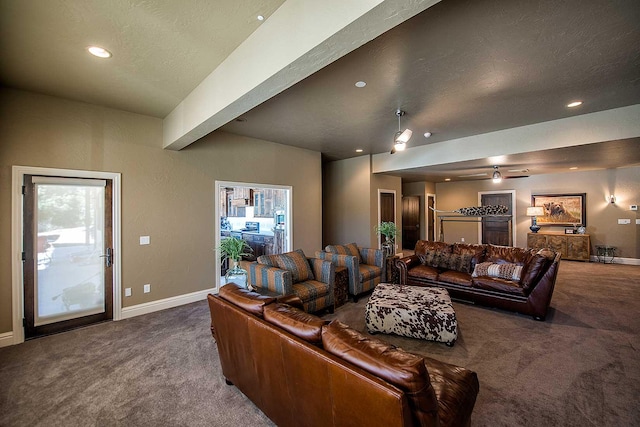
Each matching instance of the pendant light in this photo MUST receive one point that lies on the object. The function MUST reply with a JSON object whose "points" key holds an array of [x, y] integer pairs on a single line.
{"points": [[497, 176], [401, 137]]}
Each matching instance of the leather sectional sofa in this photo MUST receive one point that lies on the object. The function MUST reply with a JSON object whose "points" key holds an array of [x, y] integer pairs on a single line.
{"points": [[300, 370], [509, 278]]}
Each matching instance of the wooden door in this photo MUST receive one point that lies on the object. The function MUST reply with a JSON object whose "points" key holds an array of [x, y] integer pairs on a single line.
{"points": [[387, 209], [496, 231], [410, 221], [431, 219]]}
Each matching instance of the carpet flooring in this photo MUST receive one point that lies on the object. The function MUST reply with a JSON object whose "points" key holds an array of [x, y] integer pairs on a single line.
{"points": [[581, 367]]}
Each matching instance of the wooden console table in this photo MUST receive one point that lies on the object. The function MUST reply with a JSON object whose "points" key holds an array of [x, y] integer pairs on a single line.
{"points": [[575, 247]]}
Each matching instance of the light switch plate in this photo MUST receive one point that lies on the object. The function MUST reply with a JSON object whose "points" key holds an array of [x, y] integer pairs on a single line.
{"points": [[147, 288], [633, 207], [127, 292], [638, 221], [145, 240], [624, 221]]}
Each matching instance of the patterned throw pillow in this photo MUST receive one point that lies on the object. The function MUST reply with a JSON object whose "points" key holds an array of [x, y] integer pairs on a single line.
{"points": [[350, 249], [506, 271], [430, 258], [456, 262], [295, 262]]}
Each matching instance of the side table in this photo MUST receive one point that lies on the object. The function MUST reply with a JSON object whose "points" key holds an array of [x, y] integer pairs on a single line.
{"points": [[606, 253], [341, 286], [393, 275]]}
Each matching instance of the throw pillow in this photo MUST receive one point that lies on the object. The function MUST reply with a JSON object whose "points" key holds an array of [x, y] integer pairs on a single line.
{"points": [[350, 249], [456, 262], [295, 262], [506, 271], [430, 258]]}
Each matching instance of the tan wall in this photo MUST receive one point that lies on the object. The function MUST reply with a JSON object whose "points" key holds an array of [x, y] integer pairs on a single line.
{"points": [[602, 217], [346, 201], [165, 194]]}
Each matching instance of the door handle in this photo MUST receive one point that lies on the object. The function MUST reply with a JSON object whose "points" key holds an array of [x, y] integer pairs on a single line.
{"points": [[108, 257]]}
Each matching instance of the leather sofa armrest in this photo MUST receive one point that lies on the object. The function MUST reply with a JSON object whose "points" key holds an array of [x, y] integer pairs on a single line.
{"points": [[540, 296], [404, 265]]}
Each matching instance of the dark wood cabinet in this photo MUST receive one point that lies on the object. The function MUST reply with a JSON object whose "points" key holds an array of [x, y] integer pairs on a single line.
{"points": [[575, 247]]}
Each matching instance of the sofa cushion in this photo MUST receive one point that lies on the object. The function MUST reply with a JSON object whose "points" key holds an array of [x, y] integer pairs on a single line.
{"points": [[295, 321], [424, 245], [507, 271], [532, 271], [310, 290], [507, 254], [404, 370], [295, 262], [498, 284], [423, 272], [250, 301], [348, 249], [455, 277]]}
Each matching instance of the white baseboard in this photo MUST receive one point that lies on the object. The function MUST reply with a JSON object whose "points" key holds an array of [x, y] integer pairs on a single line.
{"points": [[617, 260], [6, 339], [163, 304]]}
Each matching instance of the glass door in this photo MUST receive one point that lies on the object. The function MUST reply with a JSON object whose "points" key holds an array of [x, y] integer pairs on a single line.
{"points": [[68, 256]]}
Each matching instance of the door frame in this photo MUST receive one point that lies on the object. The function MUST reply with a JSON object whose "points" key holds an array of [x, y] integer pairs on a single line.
{"points": [[216, 215], [426, 217], [17, 229], [513, 212], [395, 215]]}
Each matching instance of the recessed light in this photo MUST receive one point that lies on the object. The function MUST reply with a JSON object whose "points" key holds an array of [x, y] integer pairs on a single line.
{"points": [[573, 168], [427, 134], [447, 179], [361, 84], [99, 52], [574, 104], [359, 150], [260, 18]]}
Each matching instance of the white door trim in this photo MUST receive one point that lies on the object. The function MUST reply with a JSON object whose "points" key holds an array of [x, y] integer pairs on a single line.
{"points": [[513, 213], [17, 297]]}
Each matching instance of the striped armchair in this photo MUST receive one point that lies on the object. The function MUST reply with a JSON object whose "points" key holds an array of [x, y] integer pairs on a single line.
{"points": [[310, 279], [366, 266]]}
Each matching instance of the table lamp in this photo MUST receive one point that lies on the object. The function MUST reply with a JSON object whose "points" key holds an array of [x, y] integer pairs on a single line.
{"points": [[533, 212]]}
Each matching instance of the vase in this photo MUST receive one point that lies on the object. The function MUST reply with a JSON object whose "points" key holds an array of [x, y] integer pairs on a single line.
{"points": [[237, 275], [389, 248]]}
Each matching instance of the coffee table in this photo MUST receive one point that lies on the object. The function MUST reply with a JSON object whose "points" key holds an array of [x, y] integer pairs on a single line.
{"points": [[412, 311]]}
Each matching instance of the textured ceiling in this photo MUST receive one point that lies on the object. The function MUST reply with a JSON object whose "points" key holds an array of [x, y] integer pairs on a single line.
{"points": [[161, 49], [460, 68]]}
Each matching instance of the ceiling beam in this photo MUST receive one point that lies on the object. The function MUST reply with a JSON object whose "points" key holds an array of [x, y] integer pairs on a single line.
{"points": [[300, 38], [608, 125]]}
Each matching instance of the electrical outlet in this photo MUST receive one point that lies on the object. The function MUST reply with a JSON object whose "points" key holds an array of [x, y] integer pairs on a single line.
{"points": [[462, 239], [127, 292], [145, 240], [637, 221], [633, 207], [147, 288]]}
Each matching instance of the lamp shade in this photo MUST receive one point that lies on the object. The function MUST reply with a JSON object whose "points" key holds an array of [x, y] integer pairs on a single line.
{"points": [[535, 211]]}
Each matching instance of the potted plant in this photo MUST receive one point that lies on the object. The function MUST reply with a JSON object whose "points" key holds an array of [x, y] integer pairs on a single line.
{"points": [[234, 248], [389, 230]]}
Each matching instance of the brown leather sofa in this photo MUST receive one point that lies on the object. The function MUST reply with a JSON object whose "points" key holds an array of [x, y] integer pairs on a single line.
{"points": [[509, 278], [300, 370]]}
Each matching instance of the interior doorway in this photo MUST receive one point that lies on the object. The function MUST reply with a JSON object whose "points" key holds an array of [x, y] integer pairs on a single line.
{"points": [[386, 209], [260, 214], [410, 221]]}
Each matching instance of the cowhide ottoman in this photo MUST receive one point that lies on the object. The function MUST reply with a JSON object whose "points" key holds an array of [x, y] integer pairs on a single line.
{"points": [[412, 311]]}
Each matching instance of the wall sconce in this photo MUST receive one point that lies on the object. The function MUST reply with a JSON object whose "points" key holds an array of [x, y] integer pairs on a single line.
{"points": [[611, 199]]}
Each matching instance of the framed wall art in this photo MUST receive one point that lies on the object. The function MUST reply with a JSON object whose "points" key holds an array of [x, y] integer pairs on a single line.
{"points": [[561, 209]]}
